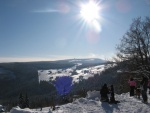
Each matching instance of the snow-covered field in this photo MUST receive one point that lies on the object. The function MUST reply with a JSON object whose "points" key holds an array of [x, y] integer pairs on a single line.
{"points": [[91, 104], [84, 73]]}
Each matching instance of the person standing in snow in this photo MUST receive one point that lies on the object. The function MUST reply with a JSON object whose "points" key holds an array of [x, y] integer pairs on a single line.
{"points": [[132, 85], [149, 86], [104, 93], [144, 83], [112, 96]]}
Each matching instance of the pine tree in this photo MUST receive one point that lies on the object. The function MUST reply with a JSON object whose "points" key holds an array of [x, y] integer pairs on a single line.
{"points": [[21, 101], [26, 101]]}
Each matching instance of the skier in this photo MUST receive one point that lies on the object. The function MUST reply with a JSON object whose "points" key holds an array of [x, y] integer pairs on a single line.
{"points": [[132, 84]]}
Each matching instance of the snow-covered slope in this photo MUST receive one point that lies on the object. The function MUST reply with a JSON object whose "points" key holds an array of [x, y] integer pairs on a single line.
{"points": [[84, 73], [91, 104]]}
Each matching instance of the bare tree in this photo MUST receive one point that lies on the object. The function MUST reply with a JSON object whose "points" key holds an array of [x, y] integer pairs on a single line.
{"points": [[134, 48]]}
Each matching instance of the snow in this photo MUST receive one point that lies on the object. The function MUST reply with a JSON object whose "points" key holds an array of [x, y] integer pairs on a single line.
{"points": [[45, 75], [91, 104], [93, 94], [19, 110], [75, 60], [87, 105], [1, 108], [27, 110]]}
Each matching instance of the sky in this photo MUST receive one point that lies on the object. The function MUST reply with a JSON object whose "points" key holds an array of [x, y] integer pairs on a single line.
{"points": [[39, 30]]}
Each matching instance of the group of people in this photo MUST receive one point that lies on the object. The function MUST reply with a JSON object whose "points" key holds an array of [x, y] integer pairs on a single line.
{"points": [[104, 94], [144, 85]]}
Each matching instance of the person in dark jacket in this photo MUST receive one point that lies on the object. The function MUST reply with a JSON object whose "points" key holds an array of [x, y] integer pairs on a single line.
{"points": [[104, 93], [149, 86], [144, 83], [112, 96]]}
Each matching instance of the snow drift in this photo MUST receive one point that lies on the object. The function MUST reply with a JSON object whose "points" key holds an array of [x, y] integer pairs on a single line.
{"points": [[91, 104]]}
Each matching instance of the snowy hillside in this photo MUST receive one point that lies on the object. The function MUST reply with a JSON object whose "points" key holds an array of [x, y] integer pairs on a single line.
{"points": [[91, 104], [84, 73]]}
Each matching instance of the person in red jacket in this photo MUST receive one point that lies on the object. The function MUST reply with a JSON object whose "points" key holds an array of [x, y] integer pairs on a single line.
{"points": [[132, 85]]}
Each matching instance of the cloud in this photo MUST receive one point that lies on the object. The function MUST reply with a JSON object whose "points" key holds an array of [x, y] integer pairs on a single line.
{"points": [[21, 59], [61, 7], [31, 59], [105, 56], [46, 11]]}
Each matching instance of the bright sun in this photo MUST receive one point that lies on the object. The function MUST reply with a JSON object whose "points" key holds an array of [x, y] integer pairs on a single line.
{"points": [[90, 13]]}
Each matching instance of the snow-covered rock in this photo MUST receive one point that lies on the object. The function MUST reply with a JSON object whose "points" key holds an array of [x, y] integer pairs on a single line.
{"points": [[19, 110], [93, 94]]}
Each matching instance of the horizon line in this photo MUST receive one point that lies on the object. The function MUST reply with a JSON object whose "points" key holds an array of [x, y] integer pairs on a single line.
{"points": [[37, 59]]}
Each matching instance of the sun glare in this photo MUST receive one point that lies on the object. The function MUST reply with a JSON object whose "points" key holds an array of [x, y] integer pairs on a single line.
{"points": [[90, 11], [90, 14]]}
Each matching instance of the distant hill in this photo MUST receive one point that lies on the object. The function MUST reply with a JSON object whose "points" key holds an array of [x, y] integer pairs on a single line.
{"points": [[20, 77], [23, 78], [90, 60]]}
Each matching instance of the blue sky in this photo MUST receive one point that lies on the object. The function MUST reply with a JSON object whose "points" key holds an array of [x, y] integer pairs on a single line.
{"points": [[35, 30]]}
